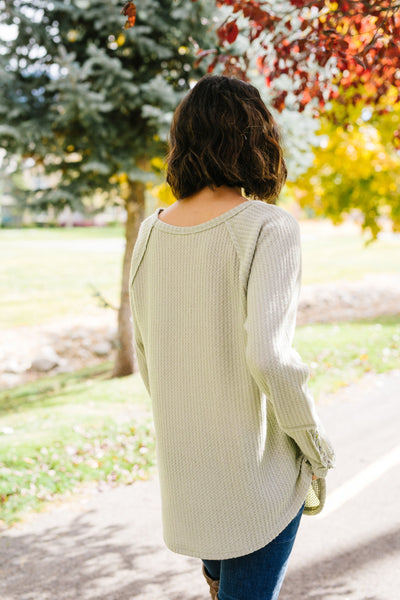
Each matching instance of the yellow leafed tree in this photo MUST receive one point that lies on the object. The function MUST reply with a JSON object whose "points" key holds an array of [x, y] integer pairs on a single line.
{"points": [[355, 167]]}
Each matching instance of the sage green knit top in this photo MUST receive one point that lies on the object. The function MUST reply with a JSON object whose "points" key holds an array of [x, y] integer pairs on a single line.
{"points": [[237, 433]]}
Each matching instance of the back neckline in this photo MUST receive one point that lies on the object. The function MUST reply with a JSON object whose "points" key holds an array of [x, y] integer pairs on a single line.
{"points": [[200, 226]]}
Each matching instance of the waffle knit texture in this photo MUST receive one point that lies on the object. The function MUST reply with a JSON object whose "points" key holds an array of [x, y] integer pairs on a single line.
{"points": [[237, 433]]}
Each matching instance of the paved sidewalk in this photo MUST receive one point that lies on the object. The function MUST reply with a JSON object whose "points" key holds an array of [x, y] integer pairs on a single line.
{"points": [[108, 545]]}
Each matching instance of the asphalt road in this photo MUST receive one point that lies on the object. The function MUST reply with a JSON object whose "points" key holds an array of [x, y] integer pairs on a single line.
{"points": [[108, 545]]}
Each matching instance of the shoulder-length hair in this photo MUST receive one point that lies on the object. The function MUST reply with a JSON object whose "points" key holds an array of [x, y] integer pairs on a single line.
{"points": [[223, 134]]}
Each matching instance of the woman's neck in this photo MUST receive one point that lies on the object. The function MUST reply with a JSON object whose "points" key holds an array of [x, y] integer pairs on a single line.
{"points": [[208, 196]]}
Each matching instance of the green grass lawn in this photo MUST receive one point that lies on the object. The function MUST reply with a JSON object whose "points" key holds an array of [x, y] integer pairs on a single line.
{"points": [[47, 273], [344, 256], [340, 353], [60, 431]]}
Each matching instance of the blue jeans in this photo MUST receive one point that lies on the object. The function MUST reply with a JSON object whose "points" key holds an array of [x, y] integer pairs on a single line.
{"points": [[259, 575]]}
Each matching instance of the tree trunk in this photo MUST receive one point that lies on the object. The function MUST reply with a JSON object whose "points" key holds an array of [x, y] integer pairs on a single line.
{"points": [[135, 205]]}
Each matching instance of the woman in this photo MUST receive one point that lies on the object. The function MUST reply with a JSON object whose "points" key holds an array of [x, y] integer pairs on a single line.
{"points": [[214, 288]]}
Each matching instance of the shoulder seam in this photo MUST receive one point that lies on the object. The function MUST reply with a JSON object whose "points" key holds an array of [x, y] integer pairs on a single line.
{"points": [[235, 243], [244, 271], [140, 246], [233, 238]]}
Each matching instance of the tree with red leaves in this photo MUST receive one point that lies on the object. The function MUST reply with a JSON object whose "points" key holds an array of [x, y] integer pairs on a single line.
{"points": [[323, 46]]}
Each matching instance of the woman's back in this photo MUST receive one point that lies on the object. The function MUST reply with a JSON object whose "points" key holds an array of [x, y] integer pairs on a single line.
{"points": [[214, 309]]}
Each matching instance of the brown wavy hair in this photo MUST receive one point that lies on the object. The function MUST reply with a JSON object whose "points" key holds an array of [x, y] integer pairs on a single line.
{"points": [[223, 134]]}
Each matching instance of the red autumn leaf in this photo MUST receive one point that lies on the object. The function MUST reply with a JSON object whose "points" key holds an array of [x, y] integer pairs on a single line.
{"points": [[211, 66], [228, 32], [233, 32], [129, 11]]}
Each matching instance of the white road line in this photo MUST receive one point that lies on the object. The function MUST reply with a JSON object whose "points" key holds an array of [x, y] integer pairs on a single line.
{"points": [[355, 485]]}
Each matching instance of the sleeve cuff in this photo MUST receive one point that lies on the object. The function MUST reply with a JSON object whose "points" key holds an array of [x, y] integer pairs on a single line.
{"points": [[316, 447]]}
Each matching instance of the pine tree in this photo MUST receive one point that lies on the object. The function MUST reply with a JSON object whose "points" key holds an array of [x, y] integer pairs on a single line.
{"points": [[90, 103]]}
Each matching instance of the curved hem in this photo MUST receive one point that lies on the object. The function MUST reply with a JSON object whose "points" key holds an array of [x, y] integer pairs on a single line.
{"points": [[289, 516]]}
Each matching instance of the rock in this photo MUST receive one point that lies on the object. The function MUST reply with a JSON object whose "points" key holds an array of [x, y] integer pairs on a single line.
{"points": [[47, 360], [87, 343], [43, 364], [67, 344], [66, 368], [82, 353], [304, 304], [80, 332], [111, 335], [102, 349], [14, 366]]}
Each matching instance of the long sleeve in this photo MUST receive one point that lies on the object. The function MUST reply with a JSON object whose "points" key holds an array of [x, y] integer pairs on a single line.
{"points": [[138, 345], [272, 298]]}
